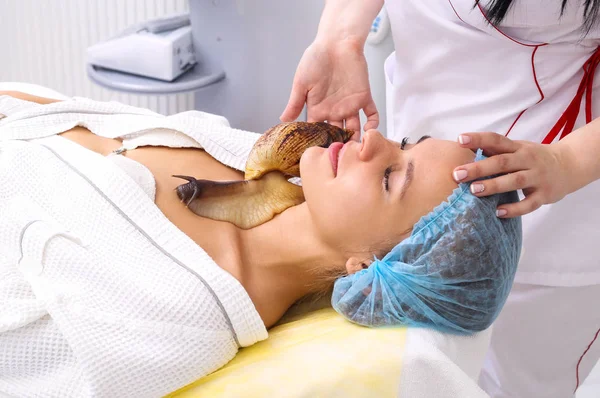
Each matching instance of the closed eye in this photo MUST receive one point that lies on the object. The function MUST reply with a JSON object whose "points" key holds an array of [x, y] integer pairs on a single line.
{"points": [[405, 140], [386, 178], [425, 137]]}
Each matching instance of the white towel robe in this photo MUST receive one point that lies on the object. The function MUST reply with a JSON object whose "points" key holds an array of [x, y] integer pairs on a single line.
{"points": [[100, 295]]}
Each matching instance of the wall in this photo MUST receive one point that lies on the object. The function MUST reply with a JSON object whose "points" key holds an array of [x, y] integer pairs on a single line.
{"points": [[44, 42]]}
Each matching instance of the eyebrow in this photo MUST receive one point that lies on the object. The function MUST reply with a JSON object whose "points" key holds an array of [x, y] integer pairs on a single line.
{"points": [[410, 171]]}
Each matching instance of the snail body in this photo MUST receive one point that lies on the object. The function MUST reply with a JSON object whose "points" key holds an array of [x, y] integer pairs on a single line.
{"points": [[265, 191]]}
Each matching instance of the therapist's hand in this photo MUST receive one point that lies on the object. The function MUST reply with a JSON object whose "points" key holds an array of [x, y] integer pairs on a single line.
{"points": [[333, 80], [541, 171]]}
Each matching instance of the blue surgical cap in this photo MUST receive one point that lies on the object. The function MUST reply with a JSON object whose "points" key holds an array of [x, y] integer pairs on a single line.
{"points": [[452, 274]]}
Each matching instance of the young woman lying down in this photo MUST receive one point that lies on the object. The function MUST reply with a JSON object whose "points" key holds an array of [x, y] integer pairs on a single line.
{"points": [[110, 284]]}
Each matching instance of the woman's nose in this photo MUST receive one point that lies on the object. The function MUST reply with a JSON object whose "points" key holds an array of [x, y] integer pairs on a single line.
{"points": [[372, 143]]}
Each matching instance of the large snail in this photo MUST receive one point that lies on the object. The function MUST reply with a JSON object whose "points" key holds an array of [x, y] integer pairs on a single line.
{"points": [[265, 190]]}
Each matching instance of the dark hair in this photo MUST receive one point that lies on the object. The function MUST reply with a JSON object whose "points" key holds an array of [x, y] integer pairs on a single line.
{"points": [[498, 9]]}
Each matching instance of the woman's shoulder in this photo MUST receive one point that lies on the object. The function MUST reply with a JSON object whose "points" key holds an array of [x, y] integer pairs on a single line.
{"points": [[28, 97]]}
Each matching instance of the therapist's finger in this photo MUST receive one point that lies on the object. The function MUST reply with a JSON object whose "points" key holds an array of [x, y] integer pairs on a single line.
{"points": [[295, 104], [526, 206], [505, 183], [353, 123], [311, 117], [491, 143], [339, 124], [498, 164], [372, 115], [316, 114]]}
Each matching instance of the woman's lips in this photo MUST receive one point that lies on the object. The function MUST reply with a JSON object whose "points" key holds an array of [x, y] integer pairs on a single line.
{"points": [[334, 152]]}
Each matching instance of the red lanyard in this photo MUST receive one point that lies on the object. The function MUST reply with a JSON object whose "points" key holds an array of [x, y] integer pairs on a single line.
{"points": [[569, 116]]}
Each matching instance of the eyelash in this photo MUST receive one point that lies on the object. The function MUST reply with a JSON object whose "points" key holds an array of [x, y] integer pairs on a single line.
{"points": [[386, 178], [403, 143], [388, 171]]}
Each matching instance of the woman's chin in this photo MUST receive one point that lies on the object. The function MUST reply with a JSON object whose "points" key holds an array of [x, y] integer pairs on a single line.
{"points": [[311, 163], [310, 155]]}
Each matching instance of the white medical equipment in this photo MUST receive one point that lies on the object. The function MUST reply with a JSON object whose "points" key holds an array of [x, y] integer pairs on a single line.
{"points": [[246, 55], [379, 46], [160, 49], [379, 28]]}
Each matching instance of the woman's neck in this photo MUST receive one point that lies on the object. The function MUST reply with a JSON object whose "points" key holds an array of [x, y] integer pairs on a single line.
{"points": [[283, 260]]}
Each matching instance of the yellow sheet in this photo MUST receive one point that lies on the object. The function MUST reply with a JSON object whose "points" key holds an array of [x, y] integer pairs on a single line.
{"points": [[319, 354]]}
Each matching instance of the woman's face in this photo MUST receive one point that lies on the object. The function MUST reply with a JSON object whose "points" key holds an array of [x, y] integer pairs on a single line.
{"points": [[367, 196]]}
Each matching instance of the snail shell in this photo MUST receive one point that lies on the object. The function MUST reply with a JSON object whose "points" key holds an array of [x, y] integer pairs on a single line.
{"points": [[281, 147]]}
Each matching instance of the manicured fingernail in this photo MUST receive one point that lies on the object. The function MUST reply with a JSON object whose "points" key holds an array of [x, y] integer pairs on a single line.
{"points": [[460, 175], [464, 139], [477, 188], [501, 213]]}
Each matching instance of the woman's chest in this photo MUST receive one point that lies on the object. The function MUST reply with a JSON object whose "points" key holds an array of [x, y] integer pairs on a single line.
{"points": [[214, 237]]}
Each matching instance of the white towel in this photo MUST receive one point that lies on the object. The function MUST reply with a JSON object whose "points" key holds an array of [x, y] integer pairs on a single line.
{"points": [[136, 126], [438, 365], [100, 295]]}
